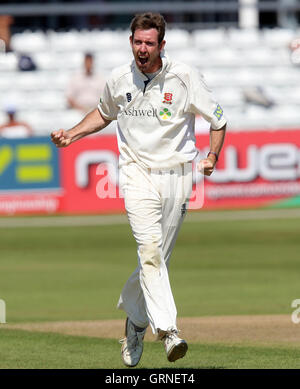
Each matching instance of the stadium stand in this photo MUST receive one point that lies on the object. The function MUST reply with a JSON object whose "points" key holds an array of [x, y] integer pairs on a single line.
{"points": [[230, 59]]}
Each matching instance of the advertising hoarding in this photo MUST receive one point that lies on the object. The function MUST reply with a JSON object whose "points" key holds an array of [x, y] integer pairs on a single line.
{"points": [[255, 169]]}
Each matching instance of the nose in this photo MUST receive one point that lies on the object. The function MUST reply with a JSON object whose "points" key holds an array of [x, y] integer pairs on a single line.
{"points": [[143, 47]]}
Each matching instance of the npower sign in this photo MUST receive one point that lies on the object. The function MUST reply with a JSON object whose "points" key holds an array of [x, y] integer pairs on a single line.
{"points": [[271, 162], [255, 169], [260, 168], [84, 164]]}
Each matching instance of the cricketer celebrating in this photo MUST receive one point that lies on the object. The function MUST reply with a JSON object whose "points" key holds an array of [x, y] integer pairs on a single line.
{"points": [[154, 101]]}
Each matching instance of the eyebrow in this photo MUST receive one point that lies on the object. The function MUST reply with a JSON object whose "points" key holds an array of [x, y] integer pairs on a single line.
{"points": [[146, 41]]}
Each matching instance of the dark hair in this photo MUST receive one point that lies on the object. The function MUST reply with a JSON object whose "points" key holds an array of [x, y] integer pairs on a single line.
{"points": [[149, 20], [88, 55]]}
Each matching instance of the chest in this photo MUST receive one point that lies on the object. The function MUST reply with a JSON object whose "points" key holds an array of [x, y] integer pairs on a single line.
{"points": [[161, 94]]}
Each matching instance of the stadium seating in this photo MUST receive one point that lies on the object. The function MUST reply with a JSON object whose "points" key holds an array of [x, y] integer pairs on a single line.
{"points": [[230, 59]]}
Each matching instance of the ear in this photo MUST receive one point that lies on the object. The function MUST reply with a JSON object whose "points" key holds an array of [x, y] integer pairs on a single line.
{"points": [[131, 40], [162, 45]]}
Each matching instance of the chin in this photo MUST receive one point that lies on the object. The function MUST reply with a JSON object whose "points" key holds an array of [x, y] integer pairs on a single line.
{"points": [[142, 68]]}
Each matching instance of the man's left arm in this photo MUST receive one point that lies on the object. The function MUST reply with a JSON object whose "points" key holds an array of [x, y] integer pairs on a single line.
{"points": [[206, 166]]}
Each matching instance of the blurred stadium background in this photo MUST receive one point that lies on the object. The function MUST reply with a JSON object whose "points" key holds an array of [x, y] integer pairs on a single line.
{"points": [[248, 51], [235, 263]]}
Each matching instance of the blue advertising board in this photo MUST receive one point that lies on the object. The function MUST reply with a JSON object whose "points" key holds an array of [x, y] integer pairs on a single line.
{"points": [[28, 164]]}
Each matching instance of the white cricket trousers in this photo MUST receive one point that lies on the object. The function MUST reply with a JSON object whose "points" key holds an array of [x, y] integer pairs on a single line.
{"points": [[156, 201]]}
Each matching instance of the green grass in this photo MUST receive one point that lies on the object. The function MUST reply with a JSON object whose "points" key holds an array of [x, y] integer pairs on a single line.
{"points": [[29, 350], [77, 273], [247, 267]]}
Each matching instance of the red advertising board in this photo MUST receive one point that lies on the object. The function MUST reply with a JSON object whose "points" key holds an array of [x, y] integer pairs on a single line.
{"points": [[86, 165], [260, 168]]}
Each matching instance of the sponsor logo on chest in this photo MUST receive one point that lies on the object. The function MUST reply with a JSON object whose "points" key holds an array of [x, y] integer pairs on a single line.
{"points": [[151, 112], [163, 113]]}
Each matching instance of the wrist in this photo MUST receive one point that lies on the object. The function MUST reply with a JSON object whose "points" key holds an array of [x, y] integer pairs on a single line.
{"points": [[215, 155]]}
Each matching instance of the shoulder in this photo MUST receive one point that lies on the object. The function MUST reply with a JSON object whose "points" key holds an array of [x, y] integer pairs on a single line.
{"points": [[184, 72]]}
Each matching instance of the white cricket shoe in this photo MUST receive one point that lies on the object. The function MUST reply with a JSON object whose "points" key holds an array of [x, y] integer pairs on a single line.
{"points": [[175, 347], [132, 344]]}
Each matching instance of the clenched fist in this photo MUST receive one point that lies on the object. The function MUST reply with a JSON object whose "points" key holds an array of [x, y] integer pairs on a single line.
{"points": [[61, 138], [206, 166]]}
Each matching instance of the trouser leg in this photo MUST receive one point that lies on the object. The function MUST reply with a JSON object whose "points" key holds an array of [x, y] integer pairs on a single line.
{"points": [[155, 222]]}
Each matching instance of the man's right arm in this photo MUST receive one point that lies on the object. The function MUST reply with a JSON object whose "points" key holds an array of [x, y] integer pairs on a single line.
{"points": [[92, 122]]}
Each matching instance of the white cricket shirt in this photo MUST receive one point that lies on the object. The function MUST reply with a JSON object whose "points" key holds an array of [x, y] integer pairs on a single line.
{"points": [[156, 122]]}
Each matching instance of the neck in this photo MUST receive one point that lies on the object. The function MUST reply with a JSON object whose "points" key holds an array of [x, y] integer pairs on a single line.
{"points": [[157, 66]]}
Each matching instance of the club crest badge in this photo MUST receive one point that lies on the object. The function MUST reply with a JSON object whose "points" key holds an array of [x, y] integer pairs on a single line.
{"points": [[168, 98], [128, 96]]}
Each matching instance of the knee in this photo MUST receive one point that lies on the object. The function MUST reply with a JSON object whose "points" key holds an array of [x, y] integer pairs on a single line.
{"points": [[150, 257]]}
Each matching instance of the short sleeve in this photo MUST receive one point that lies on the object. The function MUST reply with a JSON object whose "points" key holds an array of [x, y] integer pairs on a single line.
{"points": [[201, 101], [107, 106]]}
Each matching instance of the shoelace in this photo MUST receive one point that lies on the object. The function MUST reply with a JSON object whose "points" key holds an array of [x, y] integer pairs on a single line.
{"points": [[170, 334], [132, 341]]}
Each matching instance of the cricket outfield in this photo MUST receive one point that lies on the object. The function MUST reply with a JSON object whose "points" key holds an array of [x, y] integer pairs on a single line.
{"points": [[234, 278]]}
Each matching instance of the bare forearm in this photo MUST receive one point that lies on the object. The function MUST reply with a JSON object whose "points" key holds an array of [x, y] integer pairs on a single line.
{"points": [[91, 123], [206, 166], [217, 139]]}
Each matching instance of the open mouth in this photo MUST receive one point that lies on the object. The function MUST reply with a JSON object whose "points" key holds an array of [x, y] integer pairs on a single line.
{"points": [[143, 60]]}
